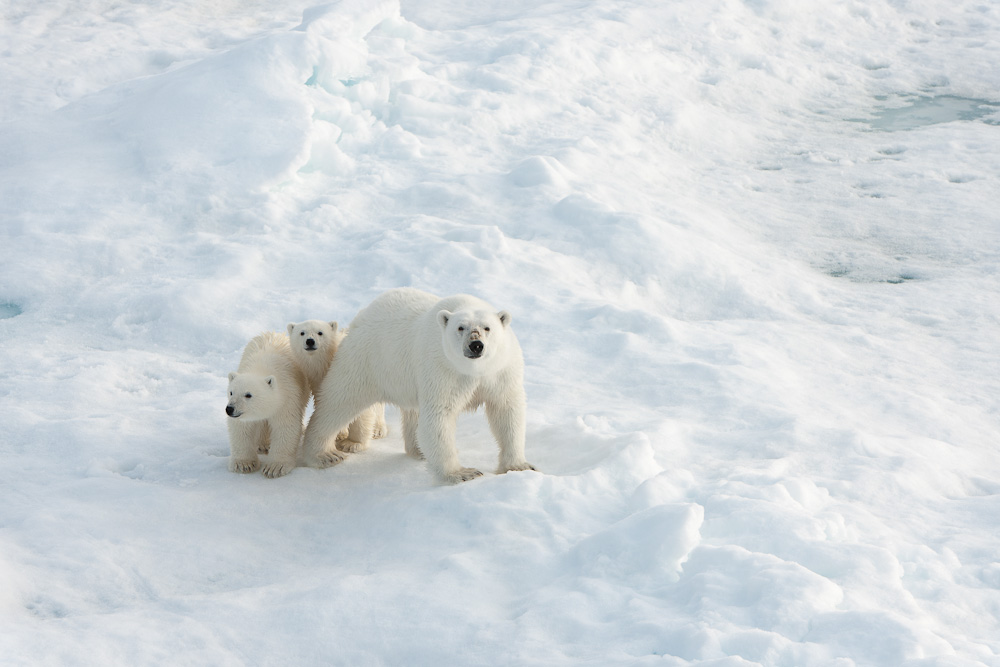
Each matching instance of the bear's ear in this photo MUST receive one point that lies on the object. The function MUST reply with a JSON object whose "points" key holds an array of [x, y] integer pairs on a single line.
{"points": [[232, 376], [504, 318], [270, 381], [443, 317], [333, 327], [291, 328]]}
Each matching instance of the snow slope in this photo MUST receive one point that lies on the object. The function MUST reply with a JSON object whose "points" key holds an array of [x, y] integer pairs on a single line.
{"points": [[751, 250]]}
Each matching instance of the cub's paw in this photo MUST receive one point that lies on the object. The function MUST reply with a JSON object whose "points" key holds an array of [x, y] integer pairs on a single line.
{"points": [[516, 468], [244, 466], [344, 435], [264, 448], [277, 468], [380, 430], [329, 459], [352, 446], [462, 475]]}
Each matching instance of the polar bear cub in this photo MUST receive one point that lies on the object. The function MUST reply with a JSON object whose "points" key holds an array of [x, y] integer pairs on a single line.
{"points": [[267, 402], [314, 344], [433, 358]]}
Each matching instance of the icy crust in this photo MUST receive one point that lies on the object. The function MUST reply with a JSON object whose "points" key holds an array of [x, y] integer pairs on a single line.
{"points": [[759, 329]]}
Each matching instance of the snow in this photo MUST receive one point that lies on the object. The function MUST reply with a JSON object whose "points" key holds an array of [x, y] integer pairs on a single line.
{"points": [[751, 251]]}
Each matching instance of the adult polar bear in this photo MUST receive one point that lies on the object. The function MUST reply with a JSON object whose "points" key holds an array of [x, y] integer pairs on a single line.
{"points": [[433, 358]]}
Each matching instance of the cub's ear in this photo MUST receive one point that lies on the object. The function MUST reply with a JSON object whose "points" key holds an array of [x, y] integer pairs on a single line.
{"points": [[232, 376], [291, 328], [443, 318], [270, 381], [504, 318], [333, 327]]}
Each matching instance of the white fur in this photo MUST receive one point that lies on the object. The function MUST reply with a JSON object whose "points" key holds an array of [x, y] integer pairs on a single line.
{"points": [[412, 349], [267, 402], [314, 344]]}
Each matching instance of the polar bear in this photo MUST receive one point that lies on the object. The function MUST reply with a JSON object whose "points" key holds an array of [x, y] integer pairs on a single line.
{"points": [[433, 358], [267, 403], [314, 344]]}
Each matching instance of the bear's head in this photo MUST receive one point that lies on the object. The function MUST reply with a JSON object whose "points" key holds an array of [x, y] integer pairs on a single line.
{"points": [[253, 397], [312, 336], [475, 341]]}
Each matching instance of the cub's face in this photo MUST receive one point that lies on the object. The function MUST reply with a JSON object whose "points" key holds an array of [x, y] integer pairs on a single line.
{"points": [[252, 397], [312, 336], [474, 340]]}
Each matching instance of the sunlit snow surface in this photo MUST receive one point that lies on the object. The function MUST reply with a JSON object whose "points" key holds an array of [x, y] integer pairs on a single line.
{"points": [[751, 252]]}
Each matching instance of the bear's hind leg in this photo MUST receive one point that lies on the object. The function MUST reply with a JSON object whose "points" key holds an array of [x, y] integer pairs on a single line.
{"points": [[410, 418], [380, 429], [334, 413], [359, 433]]}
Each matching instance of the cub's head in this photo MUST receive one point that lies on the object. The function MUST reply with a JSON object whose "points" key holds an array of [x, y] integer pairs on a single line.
{"points": [[474, 340], [312, 336], [253, 397]]}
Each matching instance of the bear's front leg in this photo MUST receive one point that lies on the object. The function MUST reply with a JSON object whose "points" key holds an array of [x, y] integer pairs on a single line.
{"points": [[436, 435], [507, 423], [285, 439], [244, 441]]}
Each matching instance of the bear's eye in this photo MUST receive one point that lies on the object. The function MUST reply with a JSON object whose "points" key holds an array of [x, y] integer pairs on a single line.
{"points": [[247, 396], [486, 328], [302, 333], [461, 329], [320, 333]]}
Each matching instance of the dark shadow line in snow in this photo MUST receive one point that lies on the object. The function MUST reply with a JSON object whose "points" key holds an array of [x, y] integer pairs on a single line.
{"points": [[9, 310]]}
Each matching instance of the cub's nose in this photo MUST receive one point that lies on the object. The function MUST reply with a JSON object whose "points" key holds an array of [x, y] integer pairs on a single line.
{"points": [[476, 347], [230, 410]]}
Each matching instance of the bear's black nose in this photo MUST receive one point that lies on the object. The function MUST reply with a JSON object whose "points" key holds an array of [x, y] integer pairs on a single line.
{"points": [[476, 347], [230, 410], [310, 342]]}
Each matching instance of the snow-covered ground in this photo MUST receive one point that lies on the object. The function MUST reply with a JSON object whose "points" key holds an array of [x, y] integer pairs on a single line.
{"points": [[752, 253]]}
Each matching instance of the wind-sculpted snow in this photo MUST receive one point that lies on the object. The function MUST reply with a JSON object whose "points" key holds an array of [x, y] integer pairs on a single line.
{"points": [[750, 250]]}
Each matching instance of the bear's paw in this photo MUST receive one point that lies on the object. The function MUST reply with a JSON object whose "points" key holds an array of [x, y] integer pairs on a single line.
{"points": [[277, 468], [352, 446], [244, 466], [329, 458], [517, 467], [462, 475]]}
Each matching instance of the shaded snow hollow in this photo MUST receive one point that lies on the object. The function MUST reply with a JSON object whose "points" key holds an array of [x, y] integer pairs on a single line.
{"points": [[751, 253]]}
